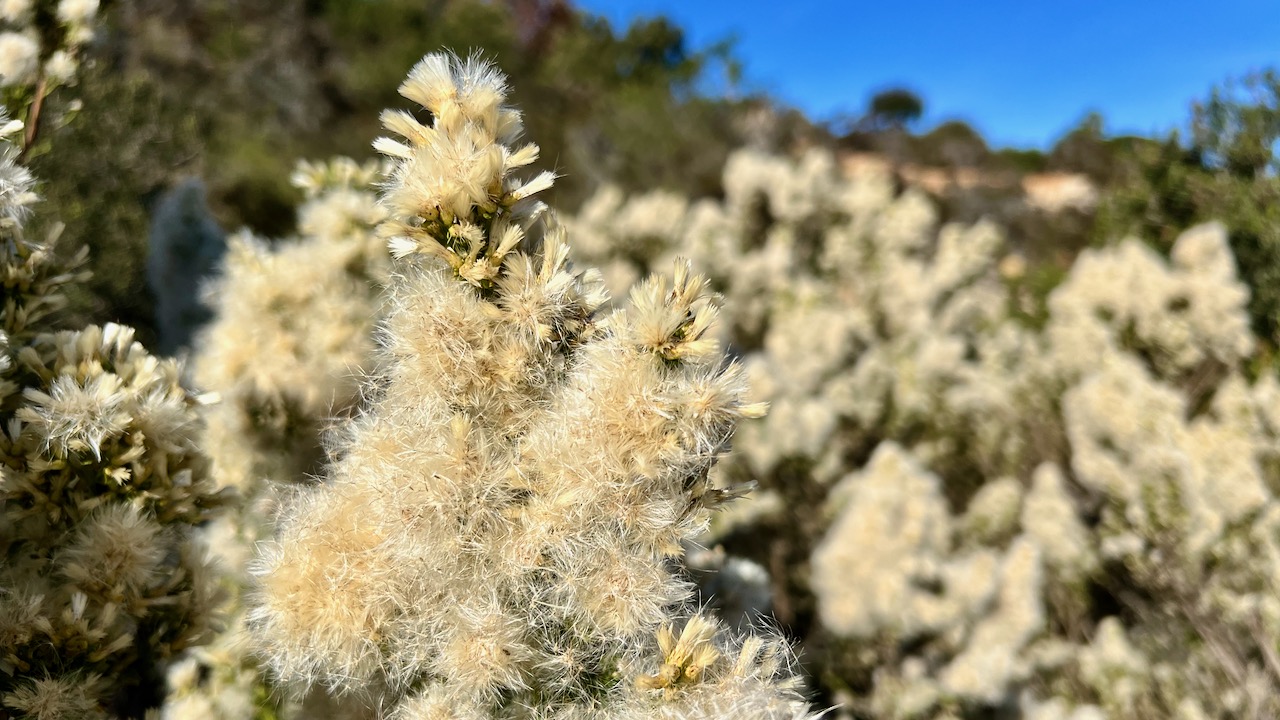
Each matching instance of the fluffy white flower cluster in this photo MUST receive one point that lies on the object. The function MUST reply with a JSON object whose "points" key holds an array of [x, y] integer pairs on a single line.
{"points": [[500, 532], [1077, 504], [290, 343], [30, 52], [293, 329]]}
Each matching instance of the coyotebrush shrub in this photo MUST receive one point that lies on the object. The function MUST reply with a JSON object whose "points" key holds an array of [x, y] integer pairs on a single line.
{"points": [[308, 304], [972, 505], [499, 534], [101, 486], [1073, 518]]}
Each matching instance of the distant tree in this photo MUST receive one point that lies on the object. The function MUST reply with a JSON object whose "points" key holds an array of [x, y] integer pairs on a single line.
{"points": [[883, 126], [1085, 149], [105, 172], [654, 47], [1236, 129], [896, 107], [952, 144]]}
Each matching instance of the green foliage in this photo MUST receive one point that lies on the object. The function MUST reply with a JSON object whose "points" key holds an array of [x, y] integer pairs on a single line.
{"points": [[952, 144], [618, 107], [121, 150], [1226, 172], [1086, 149], [1237, 127], [1025, 160], [308, 79]]}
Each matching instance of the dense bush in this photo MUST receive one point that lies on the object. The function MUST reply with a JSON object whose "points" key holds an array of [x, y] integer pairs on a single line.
{"points": [[973, 512], [102, 482], [307, 306], [561, 455], [1225, 170], [435, 470]]}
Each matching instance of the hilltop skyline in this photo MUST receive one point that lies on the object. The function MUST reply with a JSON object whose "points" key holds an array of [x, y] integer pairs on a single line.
{"points": [[1023, 74]]}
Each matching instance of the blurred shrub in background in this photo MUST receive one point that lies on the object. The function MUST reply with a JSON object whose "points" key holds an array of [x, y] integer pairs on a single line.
{"points": [[234, 91], [1226, 169], [1022, 459], [972, 506]]}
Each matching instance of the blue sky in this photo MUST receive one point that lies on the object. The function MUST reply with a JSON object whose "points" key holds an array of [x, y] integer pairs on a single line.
{"points": [[1023, 73]]}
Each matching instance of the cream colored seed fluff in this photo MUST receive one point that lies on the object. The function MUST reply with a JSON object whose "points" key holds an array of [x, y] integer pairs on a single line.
{"points": [[309, 305], [499, 533], [1126, 431]]}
